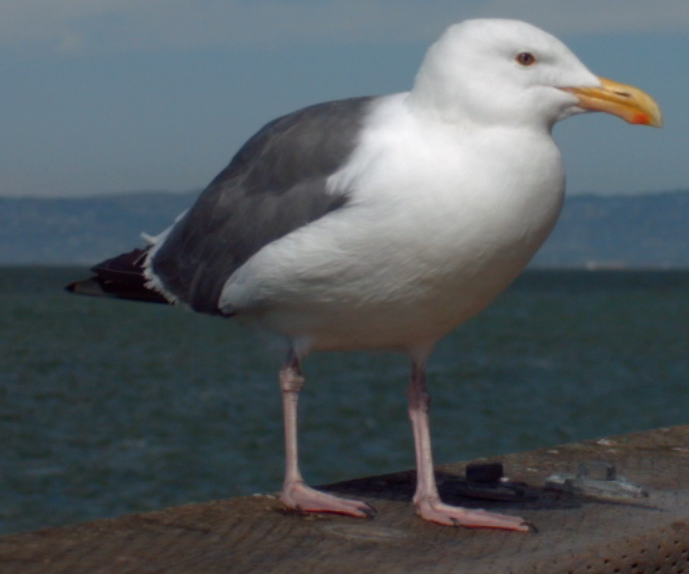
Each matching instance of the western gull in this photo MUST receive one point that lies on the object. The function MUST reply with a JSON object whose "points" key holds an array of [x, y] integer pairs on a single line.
{"points": [[384, 222]]}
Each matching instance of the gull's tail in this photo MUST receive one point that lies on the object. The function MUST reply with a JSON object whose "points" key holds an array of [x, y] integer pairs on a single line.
{"points": [[121, 277]]}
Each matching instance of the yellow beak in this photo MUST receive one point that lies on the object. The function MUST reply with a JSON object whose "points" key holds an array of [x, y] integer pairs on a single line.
{"points": [[627, 102]]}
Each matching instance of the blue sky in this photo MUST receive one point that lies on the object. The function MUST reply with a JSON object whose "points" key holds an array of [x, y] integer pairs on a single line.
{"points": [[123, 95]]}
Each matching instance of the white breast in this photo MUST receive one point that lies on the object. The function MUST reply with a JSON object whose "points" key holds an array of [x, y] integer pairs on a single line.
{"points": [[440, 221]]}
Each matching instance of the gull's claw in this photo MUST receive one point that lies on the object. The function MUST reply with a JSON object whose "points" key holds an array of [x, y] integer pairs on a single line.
{"points": [[435, 510], [299, 496]]}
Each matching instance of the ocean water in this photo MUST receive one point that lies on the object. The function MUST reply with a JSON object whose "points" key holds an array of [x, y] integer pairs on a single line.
{"points": [[110, 407]]}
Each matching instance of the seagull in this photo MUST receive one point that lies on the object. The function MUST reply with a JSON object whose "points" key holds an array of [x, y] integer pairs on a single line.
{"points": [[383, 223]]}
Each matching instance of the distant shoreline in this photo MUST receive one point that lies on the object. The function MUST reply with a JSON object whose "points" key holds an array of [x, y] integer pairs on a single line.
{"points": [[600, 269], [642, 231]]}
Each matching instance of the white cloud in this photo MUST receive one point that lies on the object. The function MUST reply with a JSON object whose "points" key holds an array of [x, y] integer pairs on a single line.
{"points": [[97, 26]]}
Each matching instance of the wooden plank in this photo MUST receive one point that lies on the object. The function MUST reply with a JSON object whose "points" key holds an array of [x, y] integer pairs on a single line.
{"points": [[576, 534]]}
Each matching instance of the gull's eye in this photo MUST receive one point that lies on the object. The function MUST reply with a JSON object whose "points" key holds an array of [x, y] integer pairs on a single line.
{"points": [[525, 59]]}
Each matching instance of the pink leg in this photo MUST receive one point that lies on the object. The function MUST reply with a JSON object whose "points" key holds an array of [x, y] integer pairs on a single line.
{"points": [[427, 500], [296, 494]]}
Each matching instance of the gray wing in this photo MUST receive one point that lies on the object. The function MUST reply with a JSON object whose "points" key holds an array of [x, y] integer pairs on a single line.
{"points": [[274, 185]]}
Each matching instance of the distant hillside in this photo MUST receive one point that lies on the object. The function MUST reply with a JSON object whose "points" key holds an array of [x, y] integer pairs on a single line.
{"points": [[84, 230], [649, 230]]}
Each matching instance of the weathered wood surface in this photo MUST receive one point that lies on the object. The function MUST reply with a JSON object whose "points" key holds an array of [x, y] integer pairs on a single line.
{"points": [[254, 535]]}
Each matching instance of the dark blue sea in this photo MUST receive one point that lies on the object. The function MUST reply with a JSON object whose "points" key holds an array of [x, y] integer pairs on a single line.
{"points": [[110, 407]]}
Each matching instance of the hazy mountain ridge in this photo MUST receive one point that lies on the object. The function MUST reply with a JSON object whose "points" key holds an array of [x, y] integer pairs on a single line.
{"points": [[650, 230], [83, 230]]}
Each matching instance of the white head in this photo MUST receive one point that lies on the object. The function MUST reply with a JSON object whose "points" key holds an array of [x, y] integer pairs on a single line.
{"points": [[510, 72]]}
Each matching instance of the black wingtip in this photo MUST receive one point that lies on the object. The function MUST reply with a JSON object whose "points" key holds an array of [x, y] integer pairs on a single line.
{"points": [[86, 287], [100, 287], [121, 277]]}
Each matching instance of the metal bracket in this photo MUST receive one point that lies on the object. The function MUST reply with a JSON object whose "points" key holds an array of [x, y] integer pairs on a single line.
{"points": [[596, 479]]}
